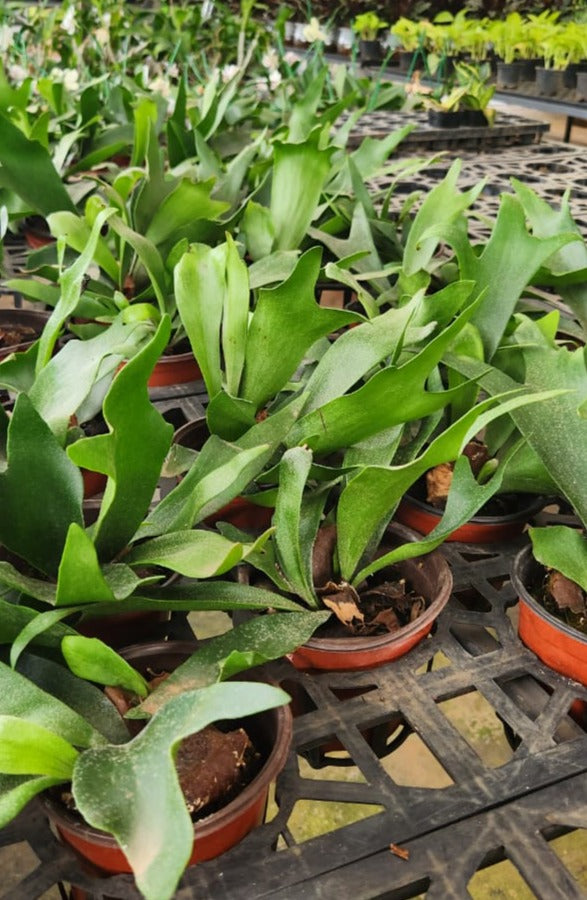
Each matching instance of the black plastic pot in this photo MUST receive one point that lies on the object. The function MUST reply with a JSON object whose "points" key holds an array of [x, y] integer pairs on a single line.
{"points": [[408, 60], [581, 86], [549, 81], [528, 68], [370, 52], [474, 118], [571, 72], [508, 74], [440, 118]]}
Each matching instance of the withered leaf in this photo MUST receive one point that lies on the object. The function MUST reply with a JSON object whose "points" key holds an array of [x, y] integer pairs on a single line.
{"points": [[566, 593], [322, 554], [342, 600], [418, 607], [388, 619], [390, 590], [399, 851]]}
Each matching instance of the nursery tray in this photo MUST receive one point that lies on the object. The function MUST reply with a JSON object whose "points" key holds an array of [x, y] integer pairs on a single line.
{"points": [[549, 168], [508, 130], [414, 840]]}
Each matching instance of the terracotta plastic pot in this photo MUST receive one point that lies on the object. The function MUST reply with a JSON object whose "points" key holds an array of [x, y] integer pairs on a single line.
{"points": [[175, 369], [240, 512], [423, 518], [36, 233], [558, 645], [270, 731], [94, 482], [429, 575]]}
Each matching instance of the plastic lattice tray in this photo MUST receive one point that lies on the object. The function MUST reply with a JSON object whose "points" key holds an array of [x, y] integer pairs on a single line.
{"points": [[549, 168], [483, 811], [508, 130]]}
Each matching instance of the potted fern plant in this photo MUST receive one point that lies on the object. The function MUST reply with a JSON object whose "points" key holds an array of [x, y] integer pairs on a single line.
{"points": [[61, 737]]}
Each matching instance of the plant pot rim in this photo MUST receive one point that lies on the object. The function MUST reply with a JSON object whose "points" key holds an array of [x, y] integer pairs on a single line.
{"points": [[175, 368], [520, 568], [208, 825], [533, 506]]}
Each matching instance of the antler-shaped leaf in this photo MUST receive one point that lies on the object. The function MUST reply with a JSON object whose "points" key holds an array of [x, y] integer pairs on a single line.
{"points": [[369, 500], [506, 265], [286, 322], [132, 454], [40, 491], [114, 789]]}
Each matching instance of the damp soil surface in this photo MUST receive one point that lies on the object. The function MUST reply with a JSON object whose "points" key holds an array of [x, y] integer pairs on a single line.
{"points": [[17, 333]]}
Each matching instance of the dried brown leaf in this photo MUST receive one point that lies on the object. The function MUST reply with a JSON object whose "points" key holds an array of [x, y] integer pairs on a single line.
{"points": [[387, 618], [566, 593], [399, 851], [322, 554], [342, 600]]}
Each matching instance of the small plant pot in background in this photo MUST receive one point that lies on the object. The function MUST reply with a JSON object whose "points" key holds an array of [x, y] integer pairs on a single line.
{"points": [[528, 68], [370, 52], [36, 233], [440, 118], [270, 732], [20, 328], [344, 41], [409, 61], [581, 88], [508, 74], [571, 73], [549, 82], [474, 118], [179, 368], [557, 644]]}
